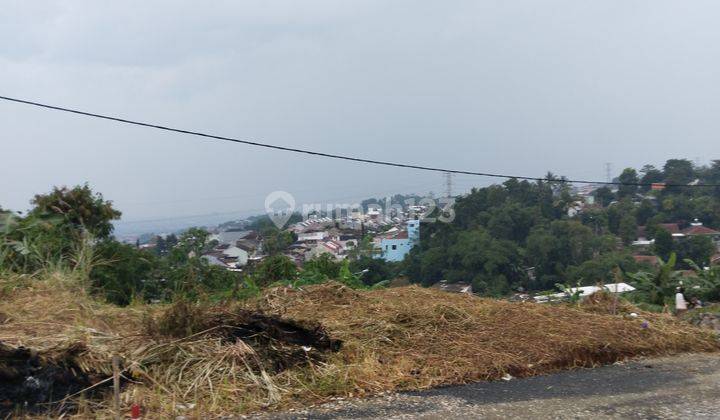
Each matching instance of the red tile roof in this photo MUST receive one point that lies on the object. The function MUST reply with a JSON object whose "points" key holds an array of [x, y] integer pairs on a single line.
{"points": [[396, 235], [700, 230]]}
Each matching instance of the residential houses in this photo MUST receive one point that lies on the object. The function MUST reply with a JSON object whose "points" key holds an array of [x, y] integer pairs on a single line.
{"points": [[395, 234], [696, 228], [234, 248], [396, 245]]}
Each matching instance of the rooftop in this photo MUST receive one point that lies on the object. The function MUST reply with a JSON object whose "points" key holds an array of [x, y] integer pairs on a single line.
{"points": [[696, 229]]}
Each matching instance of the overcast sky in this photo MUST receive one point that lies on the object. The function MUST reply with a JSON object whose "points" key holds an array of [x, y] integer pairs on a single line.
{"points": [[497, 86]]}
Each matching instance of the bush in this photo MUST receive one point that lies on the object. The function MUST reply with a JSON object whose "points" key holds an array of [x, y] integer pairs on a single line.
{"points": [[124, 273], [273, 269]]}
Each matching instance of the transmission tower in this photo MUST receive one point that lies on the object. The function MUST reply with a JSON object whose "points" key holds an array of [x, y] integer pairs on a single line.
{"points": [[608, 172], [448, 184]]}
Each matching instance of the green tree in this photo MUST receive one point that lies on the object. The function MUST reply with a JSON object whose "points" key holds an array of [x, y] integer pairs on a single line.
{"points": [[325, 265], [273, 269], [604, 196], [375, 270], [194, 276], [697, 248], [80, 207], [34, 242], [124, 272], [171, 241], [595, 219], [708, 281], [491, 265], [600, 269], [678, 172], [664, 245], [629, 180], [712, 176], [194, 242], [161, 247], [627, 229], [644, 212], [275, 241], [650, 175]]}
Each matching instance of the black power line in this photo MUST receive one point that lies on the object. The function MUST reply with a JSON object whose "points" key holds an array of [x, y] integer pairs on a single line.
{"points": [[334, 156]]}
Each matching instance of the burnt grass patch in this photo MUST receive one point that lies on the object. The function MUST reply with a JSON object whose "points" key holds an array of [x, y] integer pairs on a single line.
{"points": [[37, 382], [279, 343]]}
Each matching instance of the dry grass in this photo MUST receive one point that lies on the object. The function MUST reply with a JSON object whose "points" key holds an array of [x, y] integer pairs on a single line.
{"points": [[393, 339], [411, 337]]}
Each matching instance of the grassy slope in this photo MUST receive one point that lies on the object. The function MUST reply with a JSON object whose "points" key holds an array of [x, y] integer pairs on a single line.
{"points": [[403, 338]]}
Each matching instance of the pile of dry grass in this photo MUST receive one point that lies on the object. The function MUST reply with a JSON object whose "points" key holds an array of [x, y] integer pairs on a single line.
{"points": [[604, 302], [51, 314], [411, 337], [392, 339]]}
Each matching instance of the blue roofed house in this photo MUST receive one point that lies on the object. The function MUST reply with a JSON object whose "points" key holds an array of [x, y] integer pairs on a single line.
{"points": [[396, 246]]}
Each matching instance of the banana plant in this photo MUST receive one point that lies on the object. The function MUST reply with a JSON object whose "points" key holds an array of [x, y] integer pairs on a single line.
{"points": [[659, 287], [573, 296], [708, 279]]}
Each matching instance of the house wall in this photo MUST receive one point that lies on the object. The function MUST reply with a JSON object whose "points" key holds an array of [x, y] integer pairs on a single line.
{"points": [[397, 249], [413, 229]]}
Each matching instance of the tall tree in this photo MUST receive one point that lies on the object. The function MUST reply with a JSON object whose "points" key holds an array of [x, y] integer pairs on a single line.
{"points": [[678, 172], [604, 196], [627, 229], [80, 207], [644, 212], [194, 242], [160, 245], [628, 179], [650, 175], [699, 249], [664, 245], [170, 241], [275, 241]]}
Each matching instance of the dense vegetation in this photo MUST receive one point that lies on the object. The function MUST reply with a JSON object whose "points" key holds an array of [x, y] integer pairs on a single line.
{"points": [[71, 230], [515, 236], [519, 235]]}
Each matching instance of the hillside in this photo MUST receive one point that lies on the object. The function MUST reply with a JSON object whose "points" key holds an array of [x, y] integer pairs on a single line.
{"points": [[292, 347]]}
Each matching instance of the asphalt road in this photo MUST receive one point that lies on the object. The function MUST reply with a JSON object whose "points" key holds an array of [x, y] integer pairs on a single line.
{"points": [[679, 387]]}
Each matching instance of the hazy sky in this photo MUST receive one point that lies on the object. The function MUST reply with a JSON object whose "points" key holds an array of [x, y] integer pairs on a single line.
{"points": [[497, 86]]}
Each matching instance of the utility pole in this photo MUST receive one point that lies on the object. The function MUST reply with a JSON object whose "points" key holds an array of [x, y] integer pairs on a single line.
{"points": [[448, 184]]}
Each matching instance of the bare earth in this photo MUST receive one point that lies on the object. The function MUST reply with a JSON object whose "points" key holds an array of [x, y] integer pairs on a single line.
{"points": [[686, 386]]}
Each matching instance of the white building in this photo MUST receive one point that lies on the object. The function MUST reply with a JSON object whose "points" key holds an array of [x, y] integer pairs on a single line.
{"points": [[312, 236], [239, 253]]}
